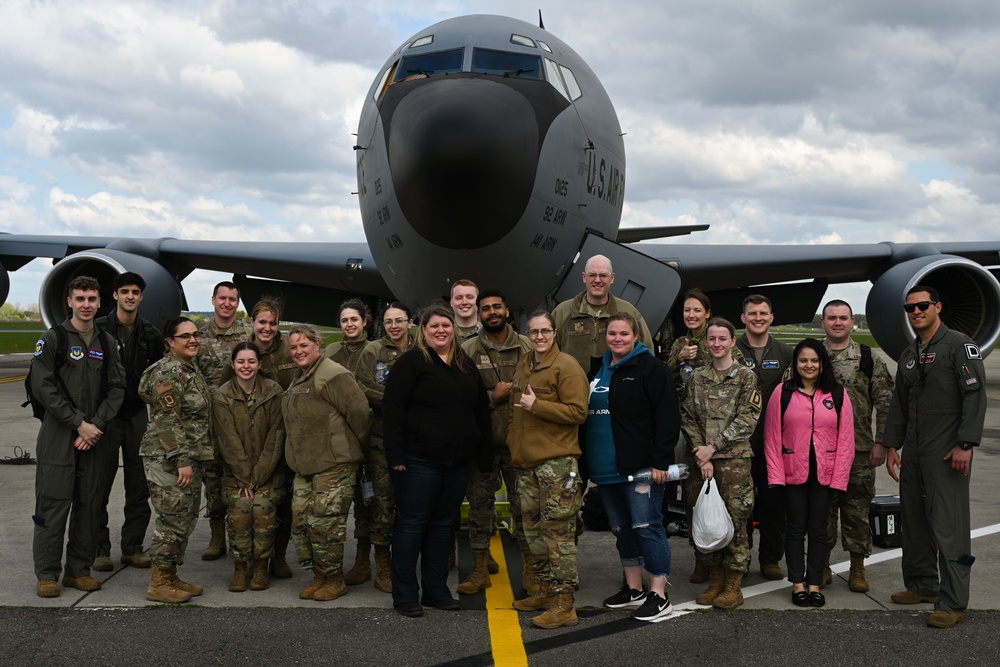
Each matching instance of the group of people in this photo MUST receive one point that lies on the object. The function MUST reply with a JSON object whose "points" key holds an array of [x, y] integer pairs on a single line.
{"points": [[287, 436]]}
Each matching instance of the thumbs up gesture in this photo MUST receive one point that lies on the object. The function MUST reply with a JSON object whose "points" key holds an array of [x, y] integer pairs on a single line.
{"points": [[527, 398]]}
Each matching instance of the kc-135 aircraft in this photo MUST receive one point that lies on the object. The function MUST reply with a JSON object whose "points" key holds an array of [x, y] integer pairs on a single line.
{"points": [[487, 149]]}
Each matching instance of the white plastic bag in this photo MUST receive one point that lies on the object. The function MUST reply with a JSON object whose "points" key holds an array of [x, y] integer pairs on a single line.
{"points": [[711, 526]]}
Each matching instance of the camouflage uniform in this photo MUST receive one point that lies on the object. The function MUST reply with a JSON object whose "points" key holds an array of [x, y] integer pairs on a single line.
{"points": [[327, 419], [213, 359], [250, 438], [374, 521], [581, 327], [703, 357], [496, 363], [867, 396], [722, 409], [549, 515], [178, 436]]}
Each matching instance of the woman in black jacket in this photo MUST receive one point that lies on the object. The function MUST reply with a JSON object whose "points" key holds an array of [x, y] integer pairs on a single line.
{"points": [[633, 423], [436, 423]]}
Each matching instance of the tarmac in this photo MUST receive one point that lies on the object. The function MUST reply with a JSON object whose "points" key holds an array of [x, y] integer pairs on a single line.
{"points": [[117, 626]]}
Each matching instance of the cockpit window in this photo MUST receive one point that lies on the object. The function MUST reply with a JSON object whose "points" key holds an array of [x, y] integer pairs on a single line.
{"points": [[521, 40], [430, 64], [423, 41], [571, 84], [506, 63], [552, 73]]}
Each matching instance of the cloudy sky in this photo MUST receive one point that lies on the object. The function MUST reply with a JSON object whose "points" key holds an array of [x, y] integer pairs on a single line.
{"points": [[775, 121]]}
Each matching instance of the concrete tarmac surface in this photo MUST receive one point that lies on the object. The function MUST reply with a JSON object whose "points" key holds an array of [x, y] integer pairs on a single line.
{"points": [[117, 626]]}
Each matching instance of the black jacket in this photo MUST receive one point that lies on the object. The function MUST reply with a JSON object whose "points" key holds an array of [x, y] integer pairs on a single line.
{"points": [[437, 412], [645, 414], [146, 349]]}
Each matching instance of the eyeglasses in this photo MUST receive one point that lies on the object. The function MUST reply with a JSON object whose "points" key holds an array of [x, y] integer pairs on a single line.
{"points": [[919, 305], [187, 336], [595, 276], [399, 321], [544, 333]]}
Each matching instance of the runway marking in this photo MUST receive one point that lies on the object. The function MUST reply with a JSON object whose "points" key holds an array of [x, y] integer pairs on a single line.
{"points": [[16, 378], [505, 626]]}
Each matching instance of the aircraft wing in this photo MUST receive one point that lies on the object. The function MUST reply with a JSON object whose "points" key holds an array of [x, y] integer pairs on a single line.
{"points": [[318, 271]]}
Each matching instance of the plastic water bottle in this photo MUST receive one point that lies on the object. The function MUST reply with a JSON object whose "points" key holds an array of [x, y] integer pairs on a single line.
{"points": [[381, 372], [570, 482], [686, 371], [675, 472]]}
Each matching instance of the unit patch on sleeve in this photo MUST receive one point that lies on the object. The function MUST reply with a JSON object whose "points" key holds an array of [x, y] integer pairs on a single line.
{"points": [[972, 351]]}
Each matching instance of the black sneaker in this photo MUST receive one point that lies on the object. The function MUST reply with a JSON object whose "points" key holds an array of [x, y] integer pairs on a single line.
{"points": [[626, 597], [654, 609]]}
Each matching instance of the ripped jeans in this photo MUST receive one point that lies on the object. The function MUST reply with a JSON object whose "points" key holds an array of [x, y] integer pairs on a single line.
{"points": [[636, 517]]}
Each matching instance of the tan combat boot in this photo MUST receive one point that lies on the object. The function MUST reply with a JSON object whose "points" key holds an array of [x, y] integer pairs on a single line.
{"points": [[333, 587], [479, 578], [238, 583], [162, 589], [492, 566], [827, 572], [543, 599], [700, 574], [718, 577], [732, 595], [318, 579], [858, 580], [383, 568], [194, 589], [259, 578], [362, 570], [560, 614], [217, 542]]}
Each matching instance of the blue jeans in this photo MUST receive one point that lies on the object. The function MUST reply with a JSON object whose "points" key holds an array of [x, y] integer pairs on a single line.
{"points": [[428, 496], [636, 517]]}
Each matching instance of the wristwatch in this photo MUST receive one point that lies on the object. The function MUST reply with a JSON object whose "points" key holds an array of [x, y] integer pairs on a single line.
{"points": [[966, 446]]}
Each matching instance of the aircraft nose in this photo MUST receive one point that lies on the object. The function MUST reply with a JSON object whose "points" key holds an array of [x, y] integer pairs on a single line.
{"points": [[463, 151]]}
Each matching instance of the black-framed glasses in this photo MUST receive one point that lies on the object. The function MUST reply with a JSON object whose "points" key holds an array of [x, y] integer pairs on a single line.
{"points": [[188, 336], [919, 305]]}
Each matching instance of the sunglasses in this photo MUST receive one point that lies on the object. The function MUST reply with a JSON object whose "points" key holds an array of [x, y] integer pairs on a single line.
{"points": [[919, 305]]}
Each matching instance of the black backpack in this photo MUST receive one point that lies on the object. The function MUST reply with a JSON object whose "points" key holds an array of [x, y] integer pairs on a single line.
{"points": [[62, 342]]}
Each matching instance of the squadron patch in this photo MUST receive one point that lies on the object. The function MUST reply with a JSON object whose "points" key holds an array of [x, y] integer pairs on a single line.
{"points": [[39, 347], [972, 351], [76, 353], [749, 362], [910, 363]]}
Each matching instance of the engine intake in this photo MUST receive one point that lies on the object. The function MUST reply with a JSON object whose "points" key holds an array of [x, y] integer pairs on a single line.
{"points": [[970, 298], [162, 299]]}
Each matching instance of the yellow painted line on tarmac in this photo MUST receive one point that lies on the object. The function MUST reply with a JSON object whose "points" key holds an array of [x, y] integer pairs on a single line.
{"points": [[505, 626], [16, 378]]}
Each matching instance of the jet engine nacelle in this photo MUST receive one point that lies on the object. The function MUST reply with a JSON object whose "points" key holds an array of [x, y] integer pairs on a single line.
{"points": [[162, 299], [970, 298]]}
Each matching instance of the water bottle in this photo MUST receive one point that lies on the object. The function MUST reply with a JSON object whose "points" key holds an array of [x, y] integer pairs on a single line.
{"points": [[367, 490], [570, 483], [686, 371], [381, 372], [675, 472]]}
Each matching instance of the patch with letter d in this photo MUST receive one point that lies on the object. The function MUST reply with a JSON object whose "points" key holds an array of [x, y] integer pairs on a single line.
{"points": [[972, 351], [76, 353]]}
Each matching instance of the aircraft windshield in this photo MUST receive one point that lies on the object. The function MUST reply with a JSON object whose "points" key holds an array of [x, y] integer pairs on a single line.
{"points": [[506, 63], [430, 64]]}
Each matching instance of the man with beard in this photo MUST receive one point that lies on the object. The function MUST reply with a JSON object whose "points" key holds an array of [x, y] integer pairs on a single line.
{"points": [[495, 350]]}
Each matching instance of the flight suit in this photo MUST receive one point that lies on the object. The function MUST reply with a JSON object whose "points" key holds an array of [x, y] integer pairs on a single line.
{"points": [[769, 508], [66, 478], [939, 402]]}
